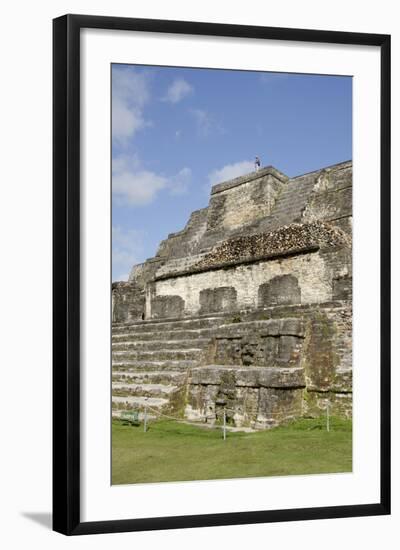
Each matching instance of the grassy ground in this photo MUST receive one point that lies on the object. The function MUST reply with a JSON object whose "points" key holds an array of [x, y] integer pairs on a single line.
{"points": [[171, 451]]}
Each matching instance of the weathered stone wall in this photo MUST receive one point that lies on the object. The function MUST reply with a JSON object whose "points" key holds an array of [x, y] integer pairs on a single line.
{"points": [[142, 273], [287, 240], [217, 300], [244, 200], [274, 344], [311, 277], [342, 288], [283, 289], [257, 397], [263, 278], [185, 242], [167, 306], [331, 198], [257, 203], [128, 302], [265, 371]]}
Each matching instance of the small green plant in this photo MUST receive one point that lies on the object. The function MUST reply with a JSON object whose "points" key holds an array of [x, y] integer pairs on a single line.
{"points": [[262, 316], [236, 319]]}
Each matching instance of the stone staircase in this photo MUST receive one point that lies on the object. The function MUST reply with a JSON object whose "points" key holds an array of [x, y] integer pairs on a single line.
{"points": [[151, 361]]}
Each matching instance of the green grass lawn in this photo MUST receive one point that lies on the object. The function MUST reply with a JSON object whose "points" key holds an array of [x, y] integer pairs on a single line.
{"points": [[171, 451]]}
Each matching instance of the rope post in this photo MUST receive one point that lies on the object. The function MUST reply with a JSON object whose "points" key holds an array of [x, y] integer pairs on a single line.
{"points": [[327, 417], [145, 418], [224, 427]]}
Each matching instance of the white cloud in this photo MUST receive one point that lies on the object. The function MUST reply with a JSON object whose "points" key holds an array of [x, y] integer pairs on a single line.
{"points": [[125, 163], [206, 122], [126, 121], [130, 85], [130, 93], [137, 188], [127, 247], [230, 171], [132, 185], [203, 121], [179, 184], [179, 89]]}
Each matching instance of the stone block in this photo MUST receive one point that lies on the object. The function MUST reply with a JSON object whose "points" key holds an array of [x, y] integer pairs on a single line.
{"points": [[218, 300], [274, 342], [278, 405], [289, 350], [283, 289], [315, 403], [128, 302], [167, 306], [342, 288], [253, 377]]}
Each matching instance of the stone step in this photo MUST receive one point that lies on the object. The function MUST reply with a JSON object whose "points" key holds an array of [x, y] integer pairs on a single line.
{"points": [[130, 402], [156, 355], [142, 390], [150, 326], [181, 334], [153, 366], [288, 326], [179, 264], [152, 345], [253, 377], [155, 377]]}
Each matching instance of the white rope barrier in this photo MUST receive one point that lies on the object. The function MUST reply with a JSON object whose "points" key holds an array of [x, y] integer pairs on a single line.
{"points": [[293, 412], [272, 415], [164, 415]]}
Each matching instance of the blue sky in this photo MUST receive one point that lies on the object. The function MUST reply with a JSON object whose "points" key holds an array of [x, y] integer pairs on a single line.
{"points": [[177, 131]]}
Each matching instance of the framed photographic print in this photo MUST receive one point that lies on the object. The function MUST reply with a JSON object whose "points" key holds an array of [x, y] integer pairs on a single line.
{"points": [[221, 274]]}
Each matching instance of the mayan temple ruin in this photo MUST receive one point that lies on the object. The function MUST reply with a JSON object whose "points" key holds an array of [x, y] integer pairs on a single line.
{"points": [[247, 309]]}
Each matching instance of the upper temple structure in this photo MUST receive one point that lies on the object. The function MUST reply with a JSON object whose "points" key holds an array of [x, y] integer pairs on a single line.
{"points": [[247, 310]]}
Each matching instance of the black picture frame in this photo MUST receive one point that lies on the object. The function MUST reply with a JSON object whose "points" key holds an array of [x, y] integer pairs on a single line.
{"points": [[66, 273]]}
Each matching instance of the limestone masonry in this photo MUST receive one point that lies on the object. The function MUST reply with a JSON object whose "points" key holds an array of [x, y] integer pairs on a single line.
{"points": [[248, 309]]}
